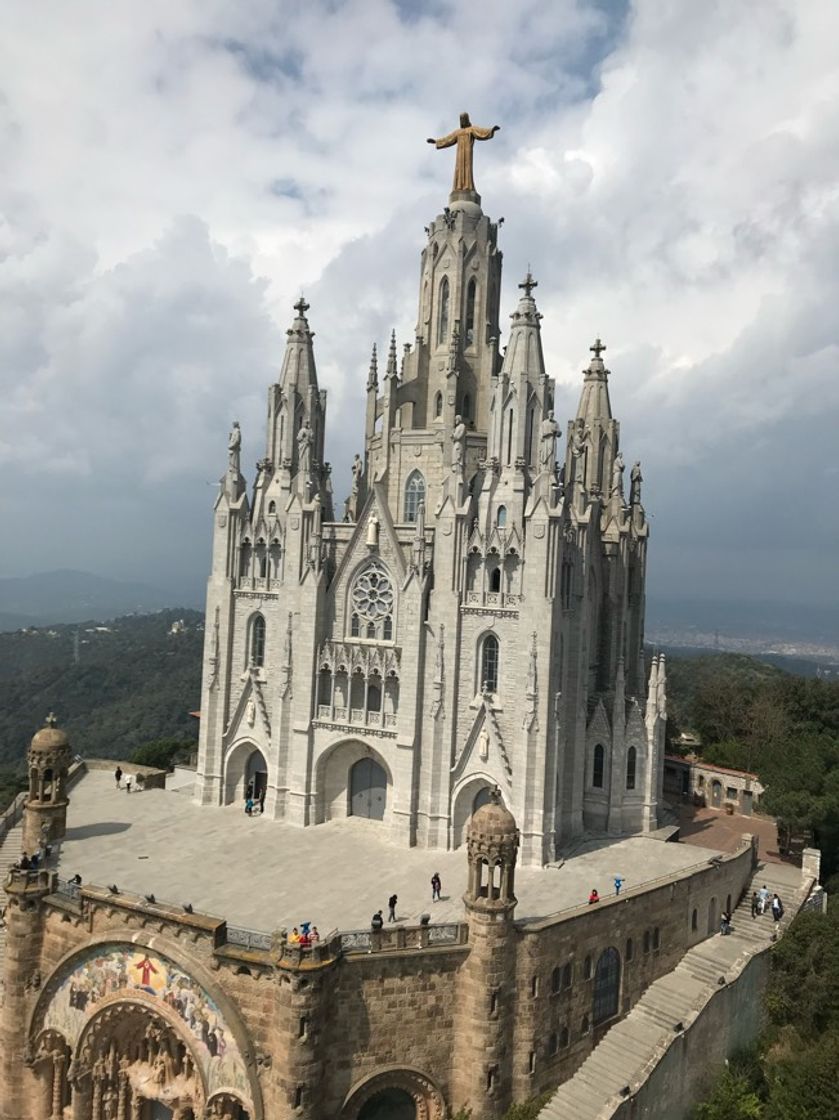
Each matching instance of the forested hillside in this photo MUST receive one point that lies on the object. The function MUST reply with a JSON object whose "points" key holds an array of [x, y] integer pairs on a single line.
{"points": [[113, 686], [791, 1073], [786, 728]]}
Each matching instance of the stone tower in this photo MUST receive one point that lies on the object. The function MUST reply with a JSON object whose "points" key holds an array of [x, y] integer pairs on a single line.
{"points": [[45, 810], [477, 617], [486, 983]]}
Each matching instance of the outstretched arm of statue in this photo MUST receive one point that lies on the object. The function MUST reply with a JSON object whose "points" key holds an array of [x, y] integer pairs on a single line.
{"points": [[484, 133], [444, 141]]}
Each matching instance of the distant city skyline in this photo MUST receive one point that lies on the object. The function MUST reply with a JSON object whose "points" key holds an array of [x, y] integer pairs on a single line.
{"points": [[174, 181]]}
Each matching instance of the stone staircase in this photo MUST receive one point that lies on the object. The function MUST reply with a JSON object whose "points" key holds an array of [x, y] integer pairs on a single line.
{"points": [[10, 851], [619, 1061]]}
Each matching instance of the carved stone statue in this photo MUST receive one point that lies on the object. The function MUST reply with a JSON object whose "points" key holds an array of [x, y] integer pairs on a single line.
{"points": [[577, 440], [373, 531], [635, 480], [547, 446], [357, 472], [465, 138], [304, 448], [439, 662], [250, 712], [234, 444], [618, 468], [483, 744], [458, 444]]}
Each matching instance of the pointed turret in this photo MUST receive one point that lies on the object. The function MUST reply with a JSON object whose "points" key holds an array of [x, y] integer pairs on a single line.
{"points": [[523, 392], [297, 408], [373, 372], [392, 373], [594, 400]]}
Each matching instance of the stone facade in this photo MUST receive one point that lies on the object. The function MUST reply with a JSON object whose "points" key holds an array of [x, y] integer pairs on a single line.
{"points": [[718, 787], [477, 617], [118, 1008]]}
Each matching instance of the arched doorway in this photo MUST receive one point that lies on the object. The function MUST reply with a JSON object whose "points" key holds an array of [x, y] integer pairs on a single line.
{"points": [[716, 793], [607, 984], [368, 790], [389, 1104], [712, 916], [256, 775], [482, 797]]}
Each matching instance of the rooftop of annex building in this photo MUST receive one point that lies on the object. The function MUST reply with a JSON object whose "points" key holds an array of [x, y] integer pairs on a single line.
{"points": [[264, 875]]}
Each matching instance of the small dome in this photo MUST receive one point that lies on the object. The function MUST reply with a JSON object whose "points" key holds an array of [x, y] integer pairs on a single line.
{"points": [[493, 819], [49, 739]]}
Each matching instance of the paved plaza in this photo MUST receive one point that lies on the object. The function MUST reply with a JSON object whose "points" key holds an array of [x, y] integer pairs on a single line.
{"points": [[264, 874]]}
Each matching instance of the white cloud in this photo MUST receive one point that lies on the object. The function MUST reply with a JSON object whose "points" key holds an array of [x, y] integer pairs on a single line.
{"points": [[175, 173]]}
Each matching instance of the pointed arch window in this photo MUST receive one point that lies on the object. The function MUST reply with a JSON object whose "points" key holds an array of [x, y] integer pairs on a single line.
{"points": [[598, 767], [373, 601], [607, 982], [509, 436], [471, 292], [466, 408], [414, 494], [258, 641], [501, 517], [631, 766], [531, 427], [438, 406], [272, 507], [489, 663], [443, 317]]}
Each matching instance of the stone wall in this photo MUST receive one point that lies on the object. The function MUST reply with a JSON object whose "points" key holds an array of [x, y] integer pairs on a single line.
{"points": [[732, 1019], [321, 1029], [651, 928]]}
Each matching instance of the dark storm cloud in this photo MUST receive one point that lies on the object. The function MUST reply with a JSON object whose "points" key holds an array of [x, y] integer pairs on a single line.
{"points": [[175, 178]]}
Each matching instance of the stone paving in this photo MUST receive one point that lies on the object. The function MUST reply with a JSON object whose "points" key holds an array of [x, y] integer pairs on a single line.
{"points": [[264, 874]]}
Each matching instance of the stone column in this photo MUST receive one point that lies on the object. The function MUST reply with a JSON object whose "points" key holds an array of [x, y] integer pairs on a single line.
{"points": [[58, 1064], [24, 934]]}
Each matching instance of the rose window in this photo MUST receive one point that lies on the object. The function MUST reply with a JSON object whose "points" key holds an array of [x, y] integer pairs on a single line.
{"points": [[372, 604]]}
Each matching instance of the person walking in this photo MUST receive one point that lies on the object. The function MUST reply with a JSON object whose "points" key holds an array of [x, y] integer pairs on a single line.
{"points": [[618, 884], [118, 776], [128, 783], [391, 908], [436, 886], [755, 905], [777, 909], [249, 806], [376, 922], [725, 923], [763, 898]]}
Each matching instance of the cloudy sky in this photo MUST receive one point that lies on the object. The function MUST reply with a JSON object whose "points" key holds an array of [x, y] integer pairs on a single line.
{"points": [[174, 174]]}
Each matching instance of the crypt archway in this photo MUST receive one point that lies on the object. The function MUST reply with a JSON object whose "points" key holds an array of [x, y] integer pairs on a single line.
{"points": [[162, 1032], [394, 1092]]}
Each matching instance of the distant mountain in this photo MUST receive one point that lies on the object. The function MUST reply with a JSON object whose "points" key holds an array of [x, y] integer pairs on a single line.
{"points": [[70, 596]]}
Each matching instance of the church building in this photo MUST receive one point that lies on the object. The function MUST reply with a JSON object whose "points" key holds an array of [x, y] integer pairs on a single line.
{"points": [[471, 619]]}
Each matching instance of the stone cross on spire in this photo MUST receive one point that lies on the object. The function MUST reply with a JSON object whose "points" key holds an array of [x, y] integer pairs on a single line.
{"points": [[528, 284], [51, 720], [301, 307], [598, 348]]}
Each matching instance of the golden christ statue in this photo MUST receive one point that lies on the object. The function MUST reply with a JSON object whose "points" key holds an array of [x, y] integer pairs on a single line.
{"points": [[465, 138]]}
